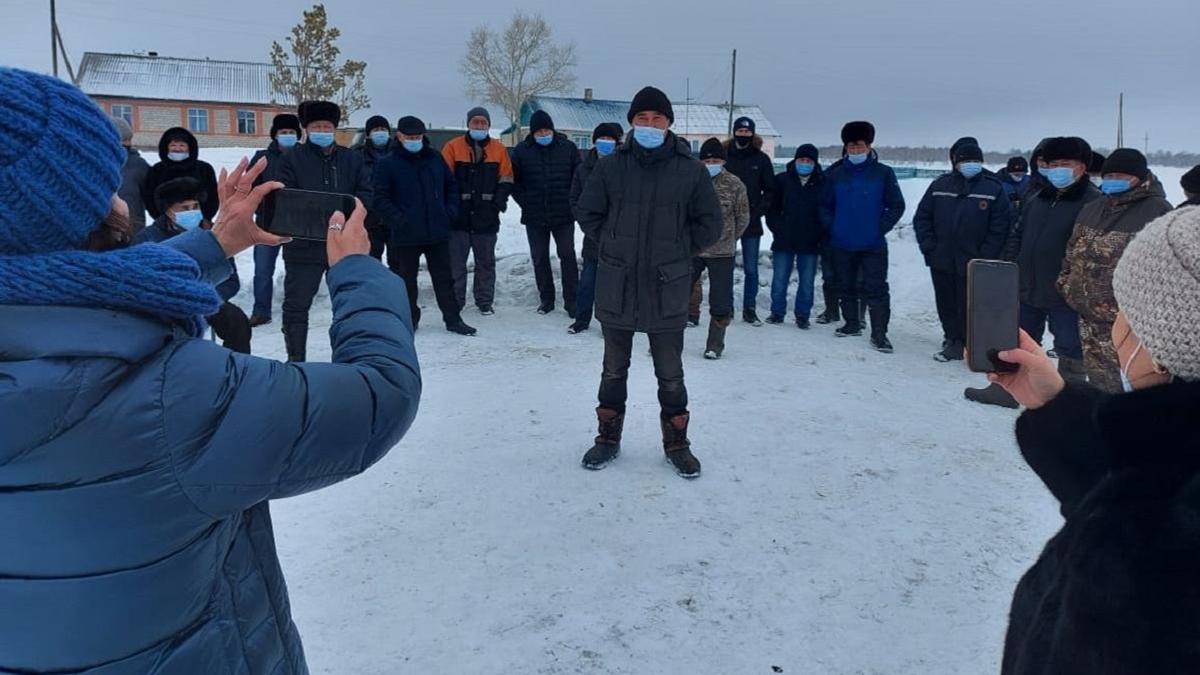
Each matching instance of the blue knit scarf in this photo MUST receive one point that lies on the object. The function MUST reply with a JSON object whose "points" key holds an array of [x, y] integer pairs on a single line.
{"points": [[149, 279]]}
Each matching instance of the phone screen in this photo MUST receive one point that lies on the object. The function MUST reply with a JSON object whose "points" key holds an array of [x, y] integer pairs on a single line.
{"points": [[993, 314], [303, 214]]}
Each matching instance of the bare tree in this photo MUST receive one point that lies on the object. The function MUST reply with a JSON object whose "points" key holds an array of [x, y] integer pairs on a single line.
{"points": [[507, 68], [308, 70]]}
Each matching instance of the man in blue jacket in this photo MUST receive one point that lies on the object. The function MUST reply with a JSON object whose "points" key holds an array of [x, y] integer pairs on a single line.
{"points": [[861, 204], [285, 133], [416, 198]]}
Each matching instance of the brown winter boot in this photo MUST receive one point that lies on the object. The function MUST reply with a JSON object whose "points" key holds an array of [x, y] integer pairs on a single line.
{"points": [[677, 446], [608, 441], [1072, 370], [716, 338]]}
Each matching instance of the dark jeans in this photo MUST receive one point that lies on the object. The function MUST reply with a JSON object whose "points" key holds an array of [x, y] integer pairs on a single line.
{"points": [[720, 284], [1064, 323], [378, 237], [300, 283], [667, 351], [483, 246], [539, 252], [750, 248], [950, 292], [806, 269], [231, 325], [265, 258], [585, 298], [405, 261], [873, 266]]}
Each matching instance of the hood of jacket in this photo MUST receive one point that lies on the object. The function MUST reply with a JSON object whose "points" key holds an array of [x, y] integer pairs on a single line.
{"points": [[174, 134]]}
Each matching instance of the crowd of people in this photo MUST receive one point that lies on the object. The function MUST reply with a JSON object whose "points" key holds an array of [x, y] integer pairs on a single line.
{"points": [[138, 460]]}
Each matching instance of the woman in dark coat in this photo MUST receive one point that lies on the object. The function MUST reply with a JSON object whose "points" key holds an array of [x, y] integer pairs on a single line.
{"points": [[179, 155], [1115, 592]]}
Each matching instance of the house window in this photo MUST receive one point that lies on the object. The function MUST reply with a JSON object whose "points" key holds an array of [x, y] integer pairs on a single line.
{"points": [[695, 147], [583, 142], [198, 120], [123, 111], [247, 122]]}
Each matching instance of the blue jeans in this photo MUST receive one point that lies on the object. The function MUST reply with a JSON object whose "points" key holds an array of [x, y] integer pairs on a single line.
{"points": [[585, 295], [805, 265], [1064, 323], [750, 246], [264, 278]]}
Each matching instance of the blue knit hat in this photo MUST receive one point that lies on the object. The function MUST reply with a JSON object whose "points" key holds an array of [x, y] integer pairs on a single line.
{"points": [[60, 164]]}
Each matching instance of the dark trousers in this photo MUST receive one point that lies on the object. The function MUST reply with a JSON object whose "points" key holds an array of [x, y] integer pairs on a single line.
{"points": [[405, 261], [231, 325], [950, 293], [378, 237], [720, 285], [539, 253], [585, 299], [300, 283], [667, 351], [873, 266], [1064, 323], [828, 273], [483, 247], [265, 258]]}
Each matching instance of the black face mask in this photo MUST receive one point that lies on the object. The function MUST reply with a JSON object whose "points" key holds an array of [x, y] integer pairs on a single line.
{"points": [[742, 142]]}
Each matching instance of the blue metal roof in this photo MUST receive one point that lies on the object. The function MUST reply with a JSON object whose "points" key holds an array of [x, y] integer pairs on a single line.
{"points": [[577, 114], [174, 79]]}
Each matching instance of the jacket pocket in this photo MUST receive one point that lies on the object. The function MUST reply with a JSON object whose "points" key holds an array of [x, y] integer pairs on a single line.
{"points": [[675, 288], [610, 288]]}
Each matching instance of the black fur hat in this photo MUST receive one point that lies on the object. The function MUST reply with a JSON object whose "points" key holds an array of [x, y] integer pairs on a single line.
{"points": [[285, 121], [319, 111], [858, 131], [179, 190]]}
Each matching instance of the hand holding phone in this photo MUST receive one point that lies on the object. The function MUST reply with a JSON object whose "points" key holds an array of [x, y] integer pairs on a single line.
{"points": [[993, 314], [304, 214]]}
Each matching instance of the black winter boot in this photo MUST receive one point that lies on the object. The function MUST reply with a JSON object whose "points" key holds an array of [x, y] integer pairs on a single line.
{"points": [[677, 445], [880, 317], [952, 350], [853, 326], [295, 339], [831, 313], [608, 440], [993, 394], [716, 338]]}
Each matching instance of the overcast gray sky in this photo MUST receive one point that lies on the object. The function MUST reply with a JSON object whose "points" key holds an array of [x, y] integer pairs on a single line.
{"points": [[925, 71]]}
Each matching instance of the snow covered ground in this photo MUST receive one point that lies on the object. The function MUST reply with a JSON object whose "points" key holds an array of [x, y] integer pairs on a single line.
{"points": [[856, 514]]}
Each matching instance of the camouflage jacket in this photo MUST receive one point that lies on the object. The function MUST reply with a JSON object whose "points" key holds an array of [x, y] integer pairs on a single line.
{"points": [[735, 215], [1102, 231]]}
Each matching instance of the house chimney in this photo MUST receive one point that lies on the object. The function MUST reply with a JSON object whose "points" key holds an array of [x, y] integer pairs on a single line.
{"points": [[587, 94], [152, 54]]}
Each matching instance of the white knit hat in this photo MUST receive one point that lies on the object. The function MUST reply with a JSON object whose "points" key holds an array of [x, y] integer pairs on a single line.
{"points": [[1157, 284]]}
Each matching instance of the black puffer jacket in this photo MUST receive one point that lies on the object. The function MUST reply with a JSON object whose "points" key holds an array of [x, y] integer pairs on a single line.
{"points": [[582, 172], [962, 218], [795, 214], [1039, 242], [1115, 591], [191, 167], [274, 155], [650, 211], [542, 180], [757, 172], [307, 167]]}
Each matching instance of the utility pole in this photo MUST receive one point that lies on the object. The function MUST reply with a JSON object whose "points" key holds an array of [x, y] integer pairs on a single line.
{"points": [[732, 92], [687, 121], [54, 37], [1121, 120], [1147, 146]]}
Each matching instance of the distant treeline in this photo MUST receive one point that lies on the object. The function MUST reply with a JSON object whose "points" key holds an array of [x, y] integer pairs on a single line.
{"points": [[928, 155]]}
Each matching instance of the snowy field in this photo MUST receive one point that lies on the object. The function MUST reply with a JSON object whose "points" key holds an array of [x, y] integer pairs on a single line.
{"points": [[856, 514]]}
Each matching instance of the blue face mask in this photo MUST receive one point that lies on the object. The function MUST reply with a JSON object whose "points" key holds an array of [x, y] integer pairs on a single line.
{"points": [[478, 134], [804, 169], [414, 146], [713, 169], [544, 140], [970, 169], [380, 138], [188, 220], [649, 137], [1061, 176], [322, 139], [1114, 186], [178, 156], [604, 147], [858, 158], [286, 141]]}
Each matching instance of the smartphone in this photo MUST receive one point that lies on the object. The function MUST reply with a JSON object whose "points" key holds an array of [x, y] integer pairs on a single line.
{"points": [[303, 214], [993, 314]]}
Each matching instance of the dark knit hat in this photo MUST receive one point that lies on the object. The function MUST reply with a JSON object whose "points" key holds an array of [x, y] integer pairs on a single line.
{"points": [[858, 131], [410, 126], [1096, 165], [713, 148], [965, 140], [179, 190], [1066, 148], [609, 129], [319, 111], [60, 164], [651, 99], [744, 123], [967, 152], [539, 120], [285, 121], [377, 122], [479, 111], [1017, 165], [809, 151], [1126, 160], [1191, 180]]}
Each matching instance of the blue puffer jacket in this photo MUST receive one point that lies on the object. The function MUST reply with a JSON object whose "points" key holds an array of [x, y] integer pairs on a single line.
{"points": [[136, 465], [861, 204]]}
